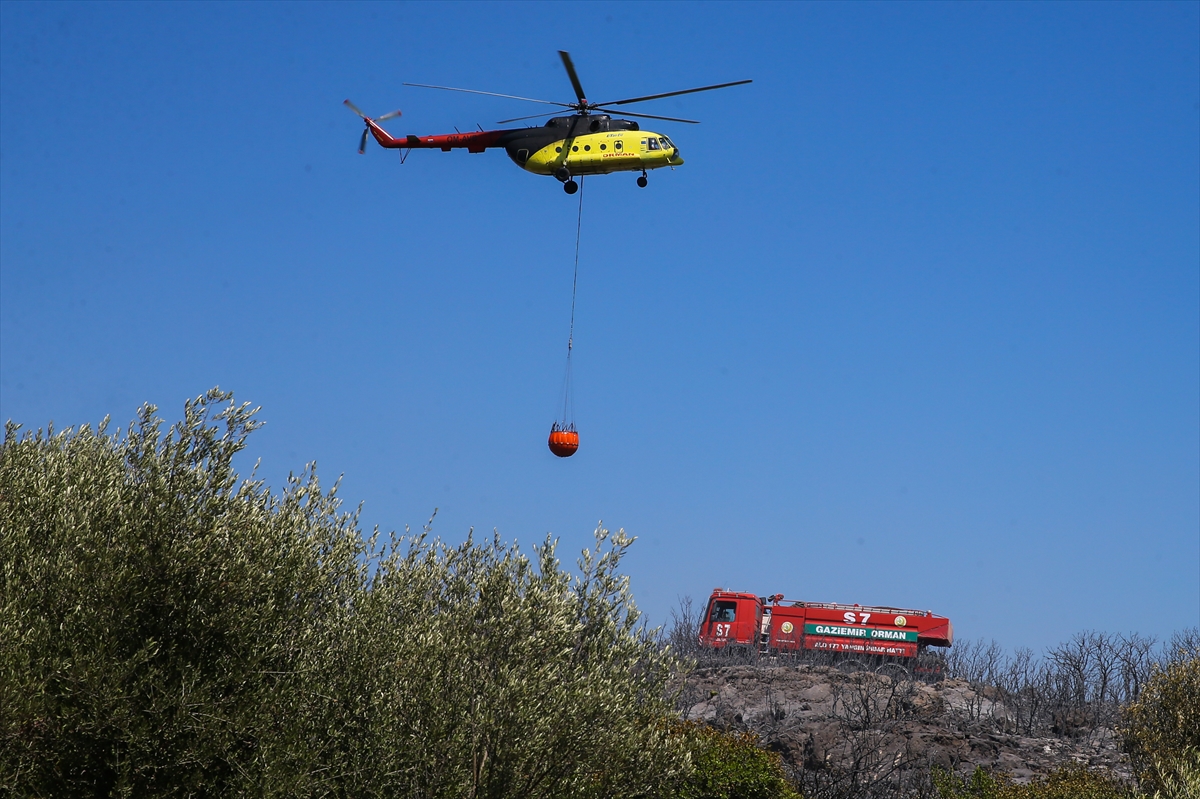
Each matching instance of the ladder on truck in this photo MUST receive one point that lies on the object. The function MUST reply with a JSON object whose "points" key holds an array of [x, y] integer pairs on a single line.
{"points": [[764, 632]]}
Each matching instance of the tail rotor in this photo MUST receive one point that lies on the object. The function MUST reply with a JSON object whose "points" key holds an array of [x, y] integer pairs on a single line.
{"points": [[362, 142]]}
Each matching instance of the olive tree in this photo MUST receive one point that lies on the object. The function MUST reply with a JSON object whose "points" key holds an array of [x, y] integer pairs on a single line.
{"points": [[1162, 728], [170, 629]]}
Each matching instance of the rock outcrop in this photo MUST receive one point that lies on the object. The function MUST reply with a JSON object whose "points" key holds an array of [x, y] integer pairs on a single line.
{"points": [[875, 730]]}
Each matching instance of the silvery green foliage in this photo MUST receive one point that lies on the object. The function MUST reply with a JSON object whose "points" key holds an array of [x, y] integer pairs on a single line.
{"points": [[168, 629]]}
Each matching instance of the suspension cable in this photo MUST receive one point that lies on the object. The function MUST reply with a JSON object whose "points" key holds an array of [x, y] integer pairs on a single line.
{"points": [[568, 414], [575, 279]]}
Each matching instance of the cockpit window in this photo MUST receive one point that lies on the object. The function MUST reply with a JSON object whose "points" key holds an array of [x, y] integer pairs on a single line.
{"points": [[723, 611], [663, 141], [652, 143], [667, 142]]}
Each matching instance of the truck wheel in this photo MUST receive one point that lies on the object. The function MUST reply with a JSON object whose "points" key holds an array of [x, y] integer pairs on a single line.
{"points": [[897, 672]]}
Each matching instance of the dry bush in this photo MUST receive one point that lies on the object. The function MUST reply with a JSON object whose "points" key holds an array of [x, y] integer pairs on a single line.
{"points": [[1070, 782], [1073, 689]]}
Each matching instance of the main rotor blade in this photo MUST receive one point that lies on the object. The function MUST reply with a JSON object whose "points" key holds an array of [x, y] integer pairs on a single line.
{"points": [[354, 108], [390, 115], [532, 116], [575, 84], [646, 116], [489, 94], [606, 111], [675, 94]]}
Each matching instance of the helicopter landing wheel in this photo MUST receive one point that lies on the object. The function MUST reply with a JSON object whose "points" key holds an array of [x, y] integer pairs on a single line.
{"points": [[570, 187], [642, 181]]}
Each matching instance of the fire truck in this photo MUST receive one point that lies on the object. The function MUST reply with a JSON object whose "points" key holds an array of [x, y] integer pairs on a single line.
{"points": [[773, 626]]}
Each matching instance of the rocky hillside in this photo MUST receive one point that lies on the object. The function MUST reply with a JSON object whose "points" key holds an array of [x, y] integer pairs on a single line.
{"points": [[867, 734]]}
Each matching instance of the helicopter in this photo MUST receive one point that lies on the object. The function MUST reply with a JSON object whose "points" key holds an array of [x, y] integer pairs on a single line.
{"points": [[588, 142]]}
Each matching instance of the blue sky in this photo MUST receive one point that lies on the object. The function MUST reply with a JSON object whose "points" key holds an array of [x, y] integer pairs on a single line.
{"points": [[918, 322]]}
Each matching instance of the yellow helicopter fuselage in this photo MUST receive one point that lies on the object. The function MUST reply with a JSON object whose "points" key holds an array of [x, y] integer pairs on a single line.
{"points": [[605, 152]]}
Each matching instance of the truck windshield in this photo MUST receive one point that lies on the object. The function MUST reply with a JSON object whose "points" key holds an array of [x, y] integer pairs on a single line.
{"points": [[723, 611]]}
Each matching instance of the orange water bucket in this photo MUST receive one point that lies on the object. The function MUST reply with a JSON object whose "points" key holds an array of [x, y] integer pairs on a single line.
{"points": [[564, 441]]}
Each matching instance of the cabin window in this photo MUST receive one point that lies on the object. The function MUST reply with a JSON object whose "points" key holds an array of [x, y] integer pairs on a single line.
{"points": [[575, 149], [558, 149], [723, 611], [603, 146], [617, 146], [587, 148], [652, 143]]}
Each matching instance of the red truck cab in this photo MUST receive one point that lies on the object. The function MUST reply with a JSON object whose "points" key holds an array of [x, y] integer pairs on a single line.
{"points": [[731, 619]]}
